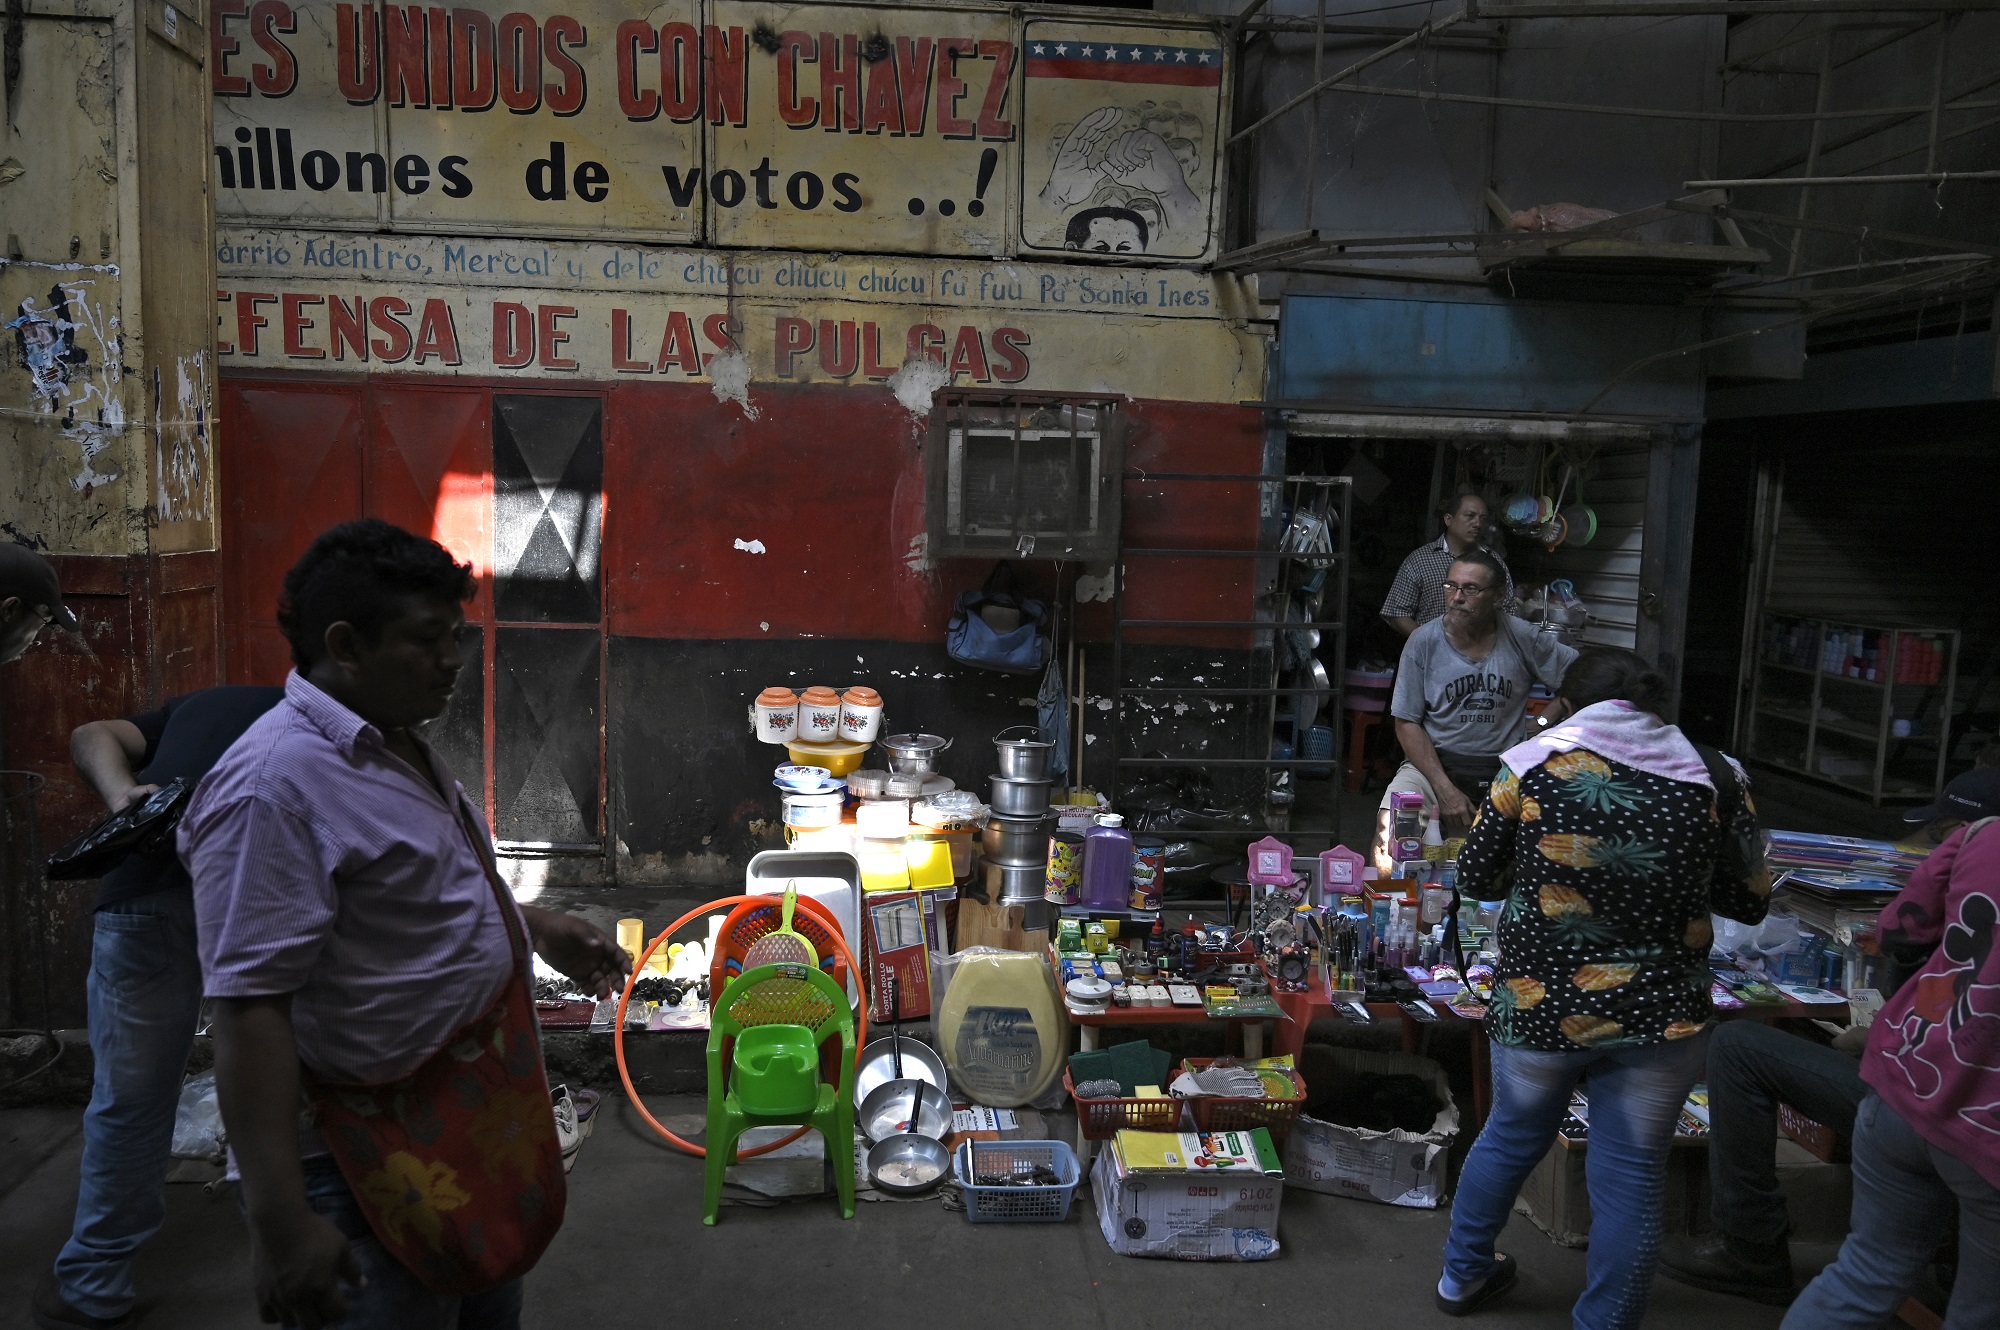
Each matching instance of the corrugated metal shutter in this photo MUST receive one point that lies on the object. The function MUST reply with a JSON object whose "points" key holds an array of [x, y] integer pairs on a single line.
{"points": [[1878, 537], [1606, 571]]}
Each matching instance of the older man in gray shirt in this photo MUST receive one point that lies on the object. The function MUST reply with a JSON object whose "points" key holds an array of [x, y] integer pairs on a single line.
{"points": [[1462, 689]]}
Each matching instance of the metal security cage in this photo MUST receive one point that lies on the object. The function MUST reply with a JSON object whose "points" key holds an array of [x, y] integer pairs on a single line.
{"points": [[1021, 476]]}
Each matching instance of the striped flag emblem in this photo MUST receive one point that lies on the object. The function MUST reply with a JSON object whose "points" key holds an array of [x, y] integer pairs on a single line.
{"points": [[1124, 62]]}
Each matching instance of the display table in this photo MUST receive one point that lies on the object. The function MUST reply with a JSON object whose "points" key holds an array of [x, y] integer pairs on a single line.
{"points": [[1253, 1026]]}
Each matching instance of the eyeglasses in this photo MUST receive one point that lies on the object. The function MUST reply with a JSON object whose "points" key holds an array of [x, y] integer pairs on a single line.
{"points": [[1465, 589]]}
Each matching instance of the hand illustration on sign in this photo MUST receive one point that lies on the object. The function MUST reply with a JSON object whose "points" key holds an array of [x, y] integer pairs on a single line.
{"points": [[1132, 185]]}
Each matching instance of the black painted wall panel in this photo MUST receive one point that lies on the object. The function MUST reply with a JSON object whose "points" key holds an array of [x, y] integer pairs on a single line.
{"points": [[545, 735]]}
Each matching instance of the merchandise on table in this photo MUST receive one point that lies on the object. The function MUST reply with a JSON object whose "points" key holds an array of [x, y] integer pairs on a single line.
{"points": [[1149, 868], [1065, 869]]}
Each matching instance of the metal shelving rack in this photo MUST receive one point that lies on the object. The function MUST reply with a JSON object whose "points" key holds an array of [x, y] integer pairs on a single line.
{"points": [[1789, 700], [1276, 578]]}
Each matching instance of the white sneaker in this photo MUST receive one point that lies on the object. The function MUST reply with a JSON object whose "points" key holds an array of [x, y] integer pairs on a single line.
{"points": [[567, 1130]]}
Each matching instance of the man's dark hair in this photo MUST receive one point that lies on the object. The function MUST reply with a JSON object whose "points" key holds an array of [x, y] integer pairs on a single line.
{"points": [[1607, 674], [1077, 234], [353, 573], [1456, 500], [1496, 575]]}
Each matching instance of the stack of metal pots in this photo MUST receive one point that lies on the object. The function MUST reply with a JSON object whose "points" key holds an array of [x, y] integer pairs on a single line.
{"points": [[1015, 842]]}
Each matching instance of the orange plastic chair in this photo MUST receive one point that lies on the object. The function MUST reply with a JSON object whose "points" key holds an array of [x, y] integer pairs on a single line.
{"points": [[752, 920]]}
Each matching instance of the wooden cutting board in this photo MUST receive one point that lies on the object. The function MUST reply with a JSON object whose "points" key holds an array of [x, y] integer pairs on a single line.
{"points": [[991, 924]]}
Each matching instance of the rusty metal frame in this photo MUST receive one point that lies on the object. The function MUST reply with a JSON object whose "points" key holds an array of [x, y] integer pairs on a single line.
{"points": [[1310, 250]]}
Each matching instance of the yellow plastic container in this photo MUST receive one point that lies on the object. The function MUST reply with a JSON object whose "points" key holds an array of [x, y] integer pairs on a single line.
{"points": [[930, 863], [884, 870]]}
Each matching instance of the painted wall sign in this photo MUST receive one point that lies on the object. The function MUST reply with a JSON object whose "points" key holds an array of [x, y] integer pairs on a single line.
{"points": [[815, 127], [734, 345], [1120, 139], [904, 115], [570, 265]]}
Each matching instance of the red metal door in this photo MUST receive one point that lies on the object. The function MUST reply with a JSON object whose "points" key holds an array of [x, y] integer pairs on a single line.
{"points": [[291, 468]]}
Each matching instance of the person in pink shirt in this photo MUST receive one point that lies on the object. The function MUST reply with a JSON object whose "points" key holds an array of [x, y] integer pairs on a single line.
{"points": [[1927, 1137]]}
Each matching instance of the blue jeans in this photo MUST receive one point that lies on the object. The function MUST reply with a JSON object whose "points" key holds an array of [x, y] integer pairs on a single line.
{"points": [[1905, 1190], [393, 1298], [144, 999], [1635, 1098]]}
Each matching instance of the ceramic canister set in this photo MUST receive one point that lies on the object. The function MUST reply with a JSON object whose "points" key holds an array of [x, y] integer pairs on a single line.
{"points": [[818, 715]]}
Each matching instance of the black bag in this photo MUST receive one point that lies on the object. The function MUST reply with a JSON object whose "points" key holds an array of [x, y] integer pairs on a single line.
{"points": [[146, 828], [1741, 855]]}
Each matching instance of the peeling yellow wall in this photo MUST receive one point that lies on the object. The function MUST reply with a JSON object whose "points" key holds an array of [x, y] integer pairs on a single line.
{"points": [[106, 278]]}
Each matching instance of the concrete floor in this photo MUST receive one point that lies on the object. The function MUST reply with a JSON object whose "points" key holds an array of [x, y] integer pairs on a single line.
{"points": [[634, 1252]]}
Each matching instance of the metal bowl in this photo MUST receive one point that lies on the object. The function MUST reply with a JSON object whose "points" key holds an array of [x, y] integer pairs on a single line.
{"points": [[886, 1111], [878, 1066], [907, 1165], [1020, 798]]}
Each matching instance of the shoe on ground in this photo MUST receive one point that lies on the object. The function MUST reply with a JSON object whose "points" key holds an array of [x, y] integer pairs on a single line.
{"points": [[567, 1131], [1719, 1263], [1505, 1273], [52, 1312]]}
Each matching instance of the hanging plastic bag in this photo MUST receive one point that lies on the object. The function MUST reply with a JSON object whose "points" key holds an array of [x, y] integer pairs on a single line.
{"points": [[1052, 707], [198, 1130]]}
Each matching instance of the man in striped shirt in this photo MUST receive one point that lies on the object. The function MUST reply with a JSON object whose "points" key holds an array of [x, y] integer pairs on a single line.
{"points": [[1417, 595]]}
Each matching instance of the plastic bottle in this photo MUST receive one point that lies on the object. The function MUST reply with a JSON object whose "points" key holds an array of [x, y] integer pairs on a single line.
{"points": [[1107, 865]]}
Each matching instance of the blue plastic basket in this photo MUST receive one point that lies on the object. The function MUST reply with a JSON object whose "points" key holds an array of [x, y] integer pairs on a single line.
{"points": [[1046, 1203]]}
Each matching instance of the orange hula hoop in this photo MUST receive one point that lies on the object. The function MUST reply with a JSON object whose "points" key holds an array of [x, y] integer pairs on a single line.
{"points": [[618, 1031]]}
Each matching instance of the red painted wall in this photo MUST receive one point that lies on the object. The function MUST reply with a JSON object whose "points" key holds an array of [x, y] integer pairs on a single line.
{"points": [[829, 479]]}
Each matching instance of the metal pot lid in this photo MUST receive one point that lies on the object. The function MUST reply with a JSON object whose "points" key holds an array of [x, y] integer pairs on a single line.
{"points": [[1020, 780], [1033, 741], [914, 743]]}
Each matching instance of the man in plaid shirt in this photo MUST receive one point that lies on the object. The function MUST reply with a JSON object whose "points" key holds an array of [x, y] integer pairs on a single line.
{"points": [[1417, 595]]}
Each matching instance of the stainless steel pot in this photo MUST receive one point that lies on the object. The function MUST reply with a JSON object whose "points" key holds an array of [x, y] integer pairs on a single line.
{"points": [[914, 754], [1012, 883], [1020, 798], [1023, 755], [1016, 840]]}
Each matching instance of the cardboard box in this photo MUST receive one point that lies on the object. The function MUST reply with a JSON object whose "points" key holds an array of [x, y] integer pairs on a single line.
{"points": [[896, 942], [1186, 1216], [1393, 1167], [1556, 1197]]}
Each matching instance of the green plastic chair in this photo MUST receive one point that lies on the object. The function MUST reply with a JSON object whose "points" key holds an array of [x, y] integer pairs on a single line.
{"points": [[765, 1033]]}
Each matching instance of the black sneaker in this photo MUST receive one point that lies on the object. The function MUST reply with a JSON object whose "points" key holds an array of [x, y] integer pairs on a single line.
{"points": [[53, 1313], [1761, 1271], [1503, 1277]]}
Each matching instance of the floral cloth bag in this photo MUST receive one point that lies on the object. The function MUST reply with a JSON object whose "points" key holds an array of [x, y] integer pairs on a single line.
{"points": [[457, 1166]]}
